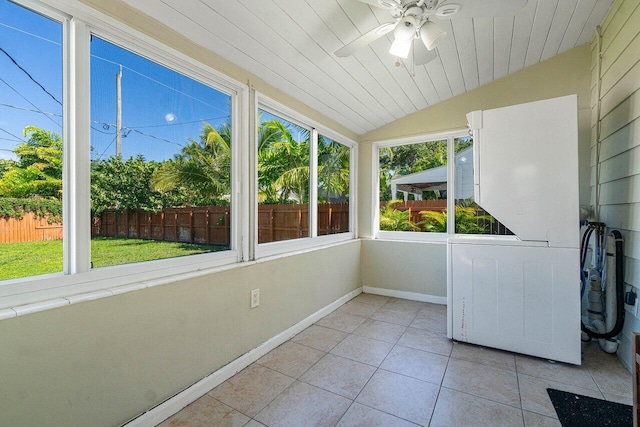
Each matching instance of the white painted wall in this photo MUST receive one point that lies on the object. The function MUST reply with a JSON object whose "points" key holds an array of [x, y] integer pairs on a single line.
{"points": [[619, 161]]}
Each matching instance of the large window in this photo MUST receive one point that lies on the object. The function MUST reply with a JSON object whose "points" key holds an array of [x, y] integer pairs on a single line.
{"points": [[160, 161], [304, 180], [31, 130], [420, 191]]}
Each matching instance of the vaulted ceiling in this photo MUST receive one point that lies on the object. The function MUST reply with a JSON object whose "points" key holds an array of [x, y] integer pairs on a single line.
{"points": [[291, 44]]}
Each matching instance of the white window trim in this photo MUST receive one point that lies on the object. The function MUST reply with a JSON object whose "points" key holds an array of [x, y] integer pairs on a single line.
{"points": [[79, 21], [270, 249], [375, 196]]}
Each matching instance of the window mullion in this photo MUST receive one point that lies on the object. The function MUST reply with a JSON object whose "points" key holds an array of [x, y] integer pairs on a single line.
{"points": [[76, 164], [451, 176], [313, 184]]}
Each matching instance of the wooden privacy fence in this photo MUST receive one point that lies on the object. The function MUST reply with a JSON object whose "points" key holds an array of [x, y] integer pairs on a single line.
{"points": [[29, 228], [211, 225]]}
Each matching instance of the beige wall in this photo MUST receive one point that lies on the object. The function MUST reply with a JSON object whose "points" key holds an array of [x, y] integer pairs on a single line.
{"points": [[415, 267], [103, 362], [563, 74], [620, 141]]}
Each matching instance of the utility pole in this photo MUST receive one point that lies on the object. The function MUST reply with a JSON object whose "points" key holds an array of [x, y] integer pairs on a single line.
{"points": [[119, 113]]}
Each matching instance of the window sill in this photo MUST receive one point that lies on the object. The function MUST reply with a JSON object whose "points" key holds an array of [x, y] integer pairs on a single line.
{"points": [[66, 290]]}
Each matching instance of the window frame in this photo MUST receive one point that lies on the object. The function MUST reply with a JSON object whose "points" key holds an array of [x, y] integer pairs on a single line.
{"points": [[263, 250], [433, 237], [79, 22]]}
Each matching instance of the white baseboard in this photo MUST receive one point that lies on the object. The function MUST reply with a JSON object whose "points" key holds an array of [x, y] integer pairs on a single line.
{"points": [[405, 295], [169, 407]]}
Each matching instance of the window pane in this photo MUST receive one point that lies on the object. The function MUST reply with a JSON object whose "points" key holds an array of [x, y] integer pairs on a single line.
{"points": [[413, 187], [30, 143], [333, 187], [283, 179], [160, 161], [469, 217]]}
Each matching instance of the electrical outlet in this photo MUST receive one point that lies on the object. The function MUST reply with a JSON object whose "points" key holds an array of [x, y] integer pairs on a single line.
{"points": [[255, 298]]}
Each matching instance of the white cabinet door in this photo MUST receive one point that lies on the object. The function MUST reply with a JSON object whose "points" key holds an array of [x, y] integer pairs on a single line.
{"points": [[518, 298]]}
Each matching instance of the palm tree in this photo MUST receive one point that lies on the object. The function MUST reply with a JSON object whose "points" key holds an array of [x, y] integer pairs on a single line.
{"points": [[333, 169], [283, 163], [202, 168]]}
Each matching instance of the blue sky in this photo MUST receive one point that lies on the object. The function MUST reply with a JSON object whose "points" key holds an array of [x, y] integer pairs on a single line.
{"points": [[161, 109]]}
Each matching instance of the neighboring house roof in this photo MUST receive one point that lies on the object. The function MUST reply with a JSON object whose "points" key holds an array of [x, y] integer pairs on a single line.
{"points": [[435, 179]]}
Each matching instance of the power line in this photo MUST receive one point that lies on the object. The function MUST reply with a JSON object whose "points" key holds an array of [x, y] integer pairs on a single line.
{"points": [[160, 83], [34, 105], [182, 123], [13, 135], [30, 34], [29, 75]]}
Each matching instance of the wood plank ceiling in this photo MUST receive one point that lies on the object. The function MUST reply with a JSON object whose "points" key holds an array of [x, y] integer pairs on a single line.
{"points": [[290, 44]]}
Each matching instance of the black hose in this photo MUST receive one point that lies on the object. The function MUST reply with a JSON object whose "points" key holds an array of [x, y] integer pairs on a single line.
{"points": [[617, 328]]}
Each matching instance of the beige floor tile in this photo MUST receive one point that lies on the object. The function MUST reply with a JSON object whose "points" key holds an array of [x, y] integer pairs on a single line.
{"points": [[207, 411], [401, 396], [531, 419], [251, 389], [254, 423], [491, 383], [304, 405], [418, 364], [484, 356], [399, 317], [339, 375], [455, 408], [291, 359], [363, 349], [363, 416], [319, 337], [356, 308], [382, 331], [534, 396], [398, 304], [426, 340], [431, 321], [377, 300], [340, 321], [625, 400], [612, 378], [576, 376]]}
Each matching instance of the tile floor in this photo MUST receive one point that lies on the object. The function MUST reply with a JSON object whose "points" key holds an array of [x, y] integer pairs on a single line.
{"points": [[379, 361]]}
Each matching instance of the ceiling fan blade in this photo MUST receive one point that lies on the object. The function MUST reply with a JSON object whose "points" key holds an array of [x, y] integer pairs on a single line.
{"points": [[365, 39], [376, 3], [483, 9], [422, 55]]}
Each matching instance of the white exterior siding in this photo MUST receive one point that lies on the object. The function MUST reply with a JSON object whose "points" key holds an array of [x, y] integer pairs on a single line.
{"points": [[619, 160]]}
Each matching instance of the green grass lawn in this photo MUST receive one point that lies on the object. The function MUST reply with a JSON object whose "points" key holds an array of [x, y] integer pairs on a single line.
{"points": [[34, 258]]}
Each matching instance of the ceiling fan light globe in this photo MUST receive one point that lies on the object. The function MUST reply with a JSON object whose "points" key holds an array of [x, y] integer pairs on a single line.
{"points": [[405, 29], [400, 48], [431, 34]]}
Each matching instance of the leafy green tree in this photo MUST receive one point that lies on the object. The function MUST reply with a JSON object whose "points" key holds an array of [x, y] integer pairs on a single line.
{"points": [[38, 170], [202, 169], [126, 185], [409, 158], [333, 170], [283, 163]]}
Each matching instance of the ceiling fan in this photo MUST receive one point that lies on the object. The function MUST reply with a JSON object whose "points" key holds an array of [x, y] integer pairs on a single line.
{"points": [[413, 20]]}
